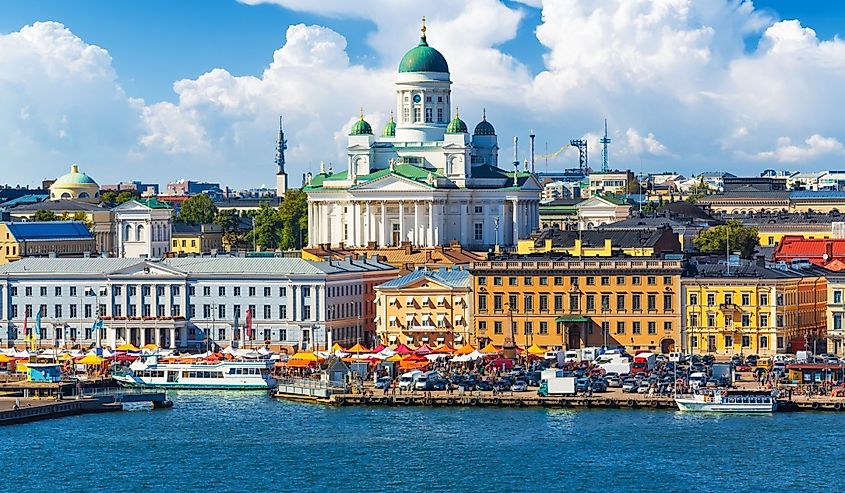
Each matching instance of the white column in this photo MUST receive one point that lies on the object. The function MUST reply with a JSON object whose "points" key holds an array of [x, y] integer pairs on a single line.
{"points": [[402, 236], [310, 223], [515, 206], [466, 226], [172, 338], [500, 236], [355, 227], [416, 237], [368, 230], [430, 232], [384, 240]]}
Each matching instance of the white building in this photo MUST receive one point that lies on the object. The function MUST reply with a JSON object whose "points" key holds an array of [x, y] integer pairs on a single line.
{"points": [[143, 228], [189, 302], [426, 180]]}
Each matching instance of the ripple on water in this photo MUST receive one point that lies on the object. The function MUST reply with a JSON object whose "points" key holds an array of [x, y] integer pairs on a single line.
{"points": [[248, 442]]}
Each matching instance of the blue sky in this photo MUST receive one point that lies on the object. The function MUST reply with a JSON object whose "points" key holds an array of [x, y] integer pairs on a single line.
{"points": [[154, 43]]}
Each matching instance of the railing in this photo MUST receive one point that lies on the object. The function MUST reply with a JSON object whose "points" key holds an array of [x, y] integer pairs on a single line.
{"points": [[308, 387], [546, 265]]}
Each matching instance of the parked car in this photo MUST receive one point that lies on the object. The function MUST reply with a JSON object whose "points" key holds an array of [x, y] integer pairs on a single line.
{"points": [[630, 385], [751, 359], [613, 380], [708, 359], [643, 388], [484, 385], [440, 384], [503, 384], [743, 368], [533, 378], [599, 385], [520, 386], [383, 382], [581, 384]]}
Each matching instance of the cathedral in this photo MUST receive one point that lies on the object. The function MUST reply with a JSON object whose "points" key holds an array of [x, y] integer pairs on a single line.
{"points": [[426, 180]]}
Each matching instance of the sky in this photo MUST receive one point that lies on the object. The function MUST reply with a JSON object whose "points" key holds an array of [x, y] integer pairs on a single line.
{"points": [[161, 90]]}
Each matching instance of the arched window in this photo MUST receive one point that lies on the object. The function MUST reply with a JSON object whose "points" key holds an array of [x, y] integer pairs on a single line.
{"points": [[764, 342], [66, 196], [127, 234], [139, 233], [84, 195]]}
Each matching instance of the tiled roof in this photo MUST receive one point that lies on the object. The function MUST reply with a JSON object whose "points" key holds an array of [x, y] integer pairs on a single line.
{"points": [[748, 269], [66, 266], [246, 265], [53, 230], [453, 278], [59, 205], [642, 238]]}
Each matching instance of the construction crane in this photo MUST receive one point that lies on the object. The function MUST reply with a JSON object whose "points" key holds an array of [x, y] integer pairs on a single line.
{"points": [[581, 144]]}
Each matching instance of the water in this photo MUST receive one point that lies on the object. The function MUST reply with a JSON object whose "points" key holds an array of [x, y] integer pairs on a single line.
{"points": [[249, 442]]}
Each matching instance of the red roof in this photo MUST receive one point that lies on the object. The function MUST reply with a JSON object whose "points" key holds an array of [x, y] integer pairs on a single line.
{"points": [[828, 253]]}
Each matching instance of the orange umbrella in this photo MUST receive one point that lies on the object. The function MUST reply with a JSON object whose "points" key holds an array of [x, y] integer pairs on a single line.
{"points": [[358, 349], [467, 349]]}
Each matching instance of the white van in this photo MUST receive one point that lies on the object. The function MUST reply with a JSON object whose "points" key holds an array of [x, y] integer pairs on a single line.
{"points": [[424, 379], [697, 379], [407, 380], [677, 357]]}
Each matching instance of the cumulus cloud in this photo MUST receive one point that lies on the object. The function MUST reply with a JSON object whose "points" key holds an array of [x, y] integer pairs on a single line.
{"points": [[787, 152], [675, 79]]}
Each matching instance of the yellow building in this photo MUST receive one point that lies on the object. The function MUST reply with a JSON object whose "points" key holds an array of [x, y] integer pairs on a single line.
{"points": [[836, 313], [753, 309], [773, 227], [196, 238], [425, 307], [41, 239], [601, 243], [556, 302], [75, 186]]}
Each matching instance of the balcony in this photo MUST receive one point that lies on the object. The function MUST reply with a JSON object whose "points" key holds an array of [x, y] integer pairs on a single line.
{"points": [[729, 307]]}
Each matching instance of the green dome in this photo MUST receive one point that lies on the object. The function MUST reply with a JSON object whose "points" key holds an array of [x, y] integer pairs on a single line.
{"points": [[390, 128], [484, 127], [75, 177], [423, 58], [361, 127], [456, 126]]}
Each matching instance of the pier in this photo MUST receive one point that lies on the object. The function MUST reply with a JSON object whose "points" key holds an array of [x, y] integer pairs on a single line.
{"points": [[15, 410]]}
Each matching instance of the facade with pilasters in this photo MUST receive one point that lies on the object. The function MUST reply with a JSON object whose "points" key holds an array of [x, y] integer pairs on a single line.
{"points": [[427, 180]]}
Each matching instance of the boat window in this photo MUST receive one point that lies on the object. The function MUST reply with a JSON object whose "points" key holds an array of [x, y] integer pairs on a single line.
{"points": [[186, 374]]}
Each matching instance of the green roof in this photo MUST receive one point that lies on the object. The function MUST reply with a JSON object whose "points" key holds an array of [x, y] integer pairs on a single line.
{"points": [[423, 58], [390, 128], [361, 127], [75, 177], [456, 126], [572, 318], [408, 171], [153, 203], [613, 199]]}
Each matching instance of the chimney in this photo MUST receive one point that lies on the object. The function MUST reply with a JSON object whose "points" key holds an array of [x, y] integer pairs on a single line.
{"points": [[828, 250]]}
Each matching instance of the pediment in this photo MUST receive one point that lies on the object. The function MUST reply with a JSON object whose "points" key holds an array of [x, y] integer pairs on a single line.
{"points": [[131, 206], [392, 183], [152, 269]]}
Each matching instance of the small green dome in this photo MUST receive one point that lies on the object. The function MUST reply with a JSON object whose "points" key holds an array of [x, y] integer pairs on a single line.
{"points": [[390, 128], [361, 127], [423, 58], [456, 126], [75, 177], [484, 127]]}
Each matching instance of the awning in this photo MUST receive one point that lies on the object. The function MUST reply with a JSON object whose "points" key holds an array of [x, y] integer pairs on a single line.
{"points": [[424, 339], [409, 339], [425, 300], [441, 300], [572, 318], [391, 338], [377, 319], [392, 318], [391, 300], [409, 318], [441, 339]]}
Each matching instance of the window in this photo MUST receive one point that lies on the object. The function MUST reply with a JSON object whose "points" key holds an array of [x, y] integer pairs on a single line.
{"points": [[482, 302], [635, 280], [527, 281], [620, 327], [221, 291], [252, 290], [693, 299], [528, 303], [544, 281], [267, 292], [132, 311], [667, 280], [605, 281], [605, 302], [636, 302], [478, 209], [439, 115], [764, 299], [591, 281], [780, 342], [837, 296], [667, 302], [764, 320], [28, 291], [574, 304], [779, 320], [221, 311], [620, 280], [591, 302], [729, 299], [694, 341], [558, 281], [87, 311], [620, 302], [652, 327], [558, 303], [145, 290], [428, 115], [667, 326], [43, 291], [132, 290], [711, 299], [58, 290], [746, 341], [267, 314], [652, 280], [711, 320], [159, 310], [497, 327], [746, 299], [145, 310], [57, 311], [693, 320], [529, 327], [206, 311], [482, 281], [482, 326], [512, 303], [544, 302], [779, 300], [605, 328], [764, 342], [729, 341], [497, 281], [746, 320], [417, 115], [206, 290], [497, 302], [544, 328], [512, 281]]}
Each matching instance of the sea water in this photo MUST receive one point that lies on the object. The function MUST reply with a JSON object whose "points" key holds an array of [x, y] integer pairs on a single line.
{"points": [[240, 441]]}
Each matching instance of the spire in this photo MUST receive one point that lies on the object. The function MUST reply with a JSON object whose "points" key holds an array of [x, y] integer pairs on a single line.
{"points": [[484, 114], [423, 41], [281, 146]]}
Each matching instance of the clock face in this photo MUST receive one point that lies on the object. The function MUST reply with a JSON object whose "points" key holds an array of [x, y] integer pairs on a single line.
{"points": [[417, 98]]}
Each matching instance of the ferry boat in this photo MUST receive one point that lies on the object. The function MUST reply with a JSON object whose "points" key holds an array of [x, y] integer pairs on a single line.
{"points": [[727, 401], [224, 375]]}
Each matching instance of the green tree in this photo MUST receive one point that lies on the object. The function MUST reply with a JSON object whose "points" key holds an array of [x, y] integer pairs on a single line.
{"points": [[268, 228], [715, 240], [230, 222], [83, 218], [44, 215], [199, 209], [109, 196], [293, 212], [125, 196]]}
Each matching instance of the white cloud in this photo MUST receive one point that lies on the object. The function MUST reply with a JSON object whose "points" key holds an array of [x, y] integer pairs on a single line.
{"points": [[674, 78], [787, 152]]}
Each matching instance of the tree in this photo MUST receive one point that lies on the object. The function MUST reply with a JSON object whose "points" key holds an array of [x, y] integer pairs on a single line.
{"points": [[44, 215], [230, 222], [125, 196], [293, 213], [715, 240], [109, 196], [268, 228], [199, 209]]}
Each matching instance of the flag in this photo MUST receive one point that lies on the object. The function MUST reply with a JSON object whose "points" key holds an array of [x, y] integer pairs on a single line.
{"points": [[25, 334], [38, 324], [249, 322], [98, 324], [235, 325]]}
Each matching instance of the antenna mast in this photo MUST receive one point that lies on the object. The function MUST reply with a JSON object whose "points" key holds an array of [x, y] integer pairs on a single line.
{"points": [[604, 141]]}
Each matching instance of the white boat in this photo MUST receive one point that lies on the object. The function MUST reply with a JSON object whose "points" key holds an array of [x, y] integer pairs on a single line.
{"points": [[727, 401], [223, 375]]}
